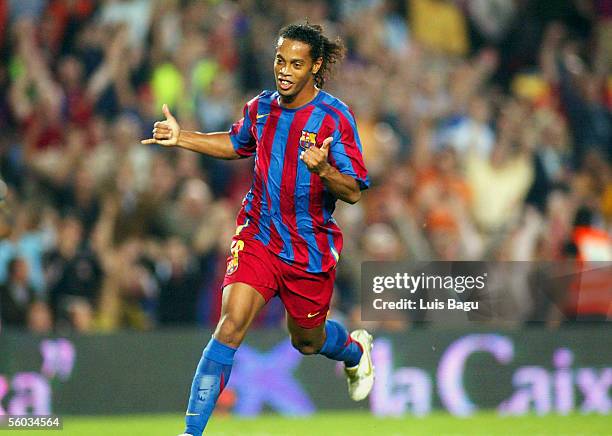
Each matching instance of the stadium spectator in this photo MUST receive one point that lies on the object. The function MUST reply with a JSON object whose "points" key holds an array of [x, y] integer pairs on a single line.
{"points": [[180, 280], [587, 299], [16, 295], [73, 276], [31, 233]]}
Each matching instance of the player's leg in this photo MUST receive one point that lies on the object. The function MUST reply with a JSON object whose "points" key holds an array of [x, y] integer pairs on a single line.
{"points": [[329, 338], [240, 305], [307, 297], [306, 341], [333, 341]]}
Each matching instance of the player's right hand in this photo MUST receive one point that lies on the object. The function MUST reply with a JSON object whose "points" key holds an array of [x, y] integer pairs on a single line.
{"points": [[165, 132]]}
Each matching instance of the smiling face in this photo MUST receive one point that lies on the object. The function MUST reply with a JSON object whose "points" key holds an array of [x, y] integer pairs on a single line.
{"points": [[294, 72]]}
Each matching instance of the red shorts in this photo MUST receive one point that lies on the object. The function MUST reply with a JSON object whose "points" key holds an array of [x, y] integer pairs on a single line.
{"points": [[306, 295]]}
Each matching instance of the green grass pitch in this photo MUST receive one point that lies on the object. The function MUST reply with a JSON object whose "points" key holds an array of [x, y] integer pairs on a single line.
{"points": [[339, 424]]}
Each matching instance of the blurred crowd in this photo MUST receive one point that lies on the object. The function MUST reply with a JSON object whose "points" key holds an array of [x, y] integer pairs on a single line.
{"points": [[486, 127]]}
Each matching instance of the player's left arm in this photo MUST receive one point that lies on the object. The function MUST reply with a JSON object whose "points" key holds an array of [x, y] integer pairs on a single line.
{"points": [[342, 186]]}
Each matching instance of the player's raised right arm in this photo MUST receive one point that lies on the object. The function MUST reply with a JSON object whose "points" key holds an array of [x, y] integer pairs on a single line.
{"points": [[169, 134]]}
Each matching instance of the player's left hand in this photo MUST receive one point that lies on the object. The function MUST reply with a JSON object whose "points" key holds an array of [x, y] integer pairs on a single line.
{"points": [[315, 158]]}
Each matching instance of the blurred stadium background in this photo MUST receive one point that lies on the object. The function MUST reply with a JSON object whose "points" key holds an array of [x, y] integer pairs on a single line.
{"points": [[488, 136]]}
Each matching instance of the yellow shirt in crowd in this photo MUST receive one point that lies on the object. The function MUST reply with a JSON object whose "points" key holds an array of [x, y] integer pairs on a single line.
{"points": [[439, 25]]}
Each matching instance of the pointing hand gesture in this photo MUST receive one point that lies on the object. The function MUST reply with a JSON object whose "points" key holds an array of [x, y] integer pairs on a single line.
{"points": [[315, 158], [165, 132]]}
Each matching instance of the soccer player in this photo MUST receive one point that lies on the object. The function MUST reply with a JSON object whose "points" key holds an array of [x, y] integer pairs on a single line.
{"points": [[307, 155]]}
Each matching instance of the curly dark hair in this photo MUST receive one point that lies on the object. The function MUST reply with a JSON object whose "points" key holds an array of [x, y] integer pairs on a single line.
{"points": [[320, 47]]}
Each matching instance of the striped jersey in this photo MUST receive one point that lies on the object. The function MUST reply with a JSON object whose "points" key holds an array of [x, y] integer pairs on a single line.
{"points": [[288, 208]]}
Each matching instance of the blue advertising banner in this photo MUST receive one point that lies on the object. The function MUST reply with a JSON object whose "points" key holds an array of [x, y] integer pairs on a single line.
{"points": [[513, 372]]}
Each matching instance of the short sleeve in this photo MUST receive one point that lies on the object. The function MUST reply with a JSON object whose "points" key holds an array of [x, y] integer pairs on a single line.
{"points": [[346, 150], [240, 133]]}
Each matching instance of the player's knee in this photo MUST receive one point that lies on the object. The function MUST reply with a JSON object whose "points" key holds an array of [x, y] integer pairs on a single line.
{"points": [[230, 330], [305, 347]]}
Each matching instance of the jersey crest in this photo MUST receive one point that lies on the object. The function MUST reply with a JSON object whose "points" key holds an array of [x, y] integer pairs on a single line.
{"points": [[307, 140]]}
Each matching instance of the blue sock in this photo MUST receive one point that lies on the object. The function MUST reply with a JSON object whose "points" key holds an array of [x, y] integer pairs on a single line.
{"points": [[339, 345], [211, 377]]}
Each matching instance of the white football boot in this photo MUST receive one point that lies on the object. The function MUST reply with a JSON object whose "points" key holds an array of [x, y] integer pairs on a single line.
{"points": [[360, 378]]}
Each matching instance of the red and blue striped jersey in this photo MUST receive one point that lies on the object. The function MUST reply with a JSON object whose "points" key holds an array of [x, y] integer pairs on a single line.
{"points": [[288, 208]]}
